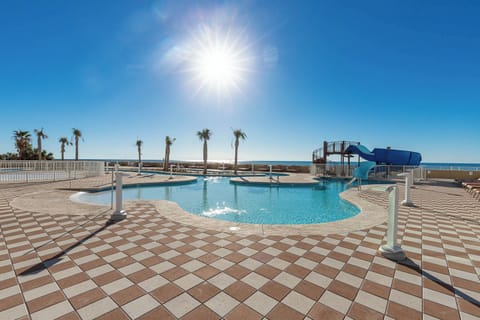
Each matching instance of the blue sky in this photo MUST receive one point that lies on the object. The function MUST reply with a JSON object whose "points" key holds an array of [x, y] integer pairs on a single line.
{"points": [[403, 74]]}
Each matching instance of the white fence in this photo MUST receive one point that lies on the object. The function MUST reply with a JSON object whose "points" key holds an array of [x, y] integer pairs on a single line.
{"points": [[380, 172], [13, 171], [334, 170]]}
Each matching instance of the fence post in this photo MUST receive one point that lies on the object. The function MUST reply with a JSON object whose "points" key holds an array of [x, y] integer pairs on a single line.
{"points": [[392, 250]]}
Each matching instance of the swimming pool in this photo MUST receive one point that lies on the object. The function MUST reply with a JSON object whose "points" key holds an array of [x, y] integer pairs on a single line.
{"points": [[216, 197]]}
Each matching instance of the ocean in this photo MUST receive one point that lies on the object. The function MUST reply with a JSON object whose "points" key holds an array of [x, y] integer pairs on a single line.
{"points": [[427, 165]]}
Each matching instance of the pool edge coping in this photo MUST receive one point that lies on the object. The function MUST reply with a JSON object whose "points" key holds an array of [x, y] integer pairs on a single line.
{"points": [[370, 215]]}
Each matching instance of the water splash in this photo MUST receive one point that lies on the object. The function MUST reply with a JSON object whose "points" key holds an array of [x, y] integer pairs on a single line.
{"points": [[220, 210]]}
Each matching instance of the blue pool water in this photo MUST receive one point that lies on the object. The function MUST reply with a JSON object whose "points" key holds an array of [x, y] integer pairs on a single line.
{"points": [[216, 197]]}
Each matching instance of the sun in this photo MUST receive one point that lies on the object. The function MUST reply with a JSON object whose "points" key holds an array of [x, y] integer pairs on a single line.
{"points": [[220, 61]]}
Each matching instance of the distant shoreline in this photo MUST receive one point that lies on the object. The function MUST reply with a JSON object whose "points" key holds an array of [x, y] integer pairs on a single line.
{"points": [[427, 165]]}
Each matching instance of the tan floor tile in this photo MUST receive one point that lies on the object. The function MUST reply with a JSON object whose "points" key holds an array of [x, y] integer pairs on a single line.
{"points": [[116, 314], [243, 312], [174, 273], [342, 289], [360, 311], [52, 312], [140, 306], [298, 302], [267, 271], [222, 280], [440, 311], [203, 291], [86, 298], [158, 313], [206, 272], [335, 302], [221, 304], [237, 271], [10, 302], [166, 292], [107, 277], [260, 302], [45, 301], [320, 311], [282, 311], [309, 290], [371, 301], [141, 275], [126, 295], [398, 311], [377, 289], [201, 312], [97, 308], [181, 305], [35, 283]]}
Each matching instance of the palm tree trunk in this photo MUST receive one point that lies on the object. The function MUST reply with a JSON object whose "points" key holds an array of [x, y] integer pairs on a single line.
{"points": [[139, 159], [76, 148], [236, 156], [205, 157], [167, 157], [39, 142], [165, 160]]}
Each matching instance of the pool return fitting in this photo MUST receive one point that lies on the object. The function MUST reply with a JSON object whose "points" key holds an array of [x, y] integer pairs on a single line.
{"points": [[392, 250]]}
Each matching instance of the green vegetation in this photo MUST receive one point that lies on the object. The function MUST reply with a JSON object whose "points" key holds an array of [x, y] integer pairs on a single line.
{"points": [[25, 150]]}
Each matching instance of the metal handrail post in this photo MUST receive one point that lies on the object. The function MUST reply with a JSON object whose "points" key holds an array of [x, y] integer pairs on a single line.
{"points": [[119, 213], [392, 250]]}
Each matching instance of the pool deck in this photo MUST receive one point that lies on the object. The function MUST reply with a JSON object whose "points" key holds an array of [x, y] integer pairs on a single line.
{"points": [[60, 259]]}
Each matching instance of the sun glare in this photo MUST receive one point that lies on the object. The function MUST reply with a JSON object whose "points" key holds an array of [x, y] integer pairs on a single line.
{"points": [[219, 61]]}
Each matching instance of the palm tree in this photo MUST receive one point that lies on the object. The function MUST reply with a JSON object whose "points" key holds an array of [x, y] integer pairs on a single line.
{"points": [[239, 134], [40, 135], [139, 144], [22, 142], [63, 142], [204, 136], [77, 134], [168, 142]]}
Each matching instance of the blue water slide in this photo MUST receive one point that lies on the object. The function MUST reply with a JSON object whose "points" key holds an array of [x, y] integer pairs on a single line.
{"points": [[387, 156], [362, 151], [362, 171]]}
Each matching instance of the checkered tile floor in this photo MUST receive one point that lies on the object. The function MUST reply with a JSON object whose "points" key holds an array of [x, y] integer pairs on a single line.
{"points": [[148, 267]]}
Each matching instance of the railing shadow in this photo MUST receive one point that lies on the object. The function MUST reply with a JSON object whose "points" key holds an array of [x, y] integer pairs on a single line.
{"points": [[459, 293], [66, 232], [56, 258]]}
